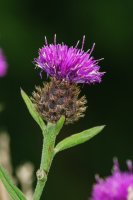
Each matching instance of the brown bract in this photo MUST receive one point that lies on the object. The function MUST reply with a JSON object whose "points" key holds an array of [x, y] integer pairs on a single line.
{"points": [[57, 98]]}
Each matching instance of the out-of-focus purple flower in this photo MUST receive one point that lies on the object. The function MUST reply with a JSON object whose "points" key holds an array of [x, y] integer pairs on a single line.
{"points": [[3, 64], [69, 63], [118, 186]]}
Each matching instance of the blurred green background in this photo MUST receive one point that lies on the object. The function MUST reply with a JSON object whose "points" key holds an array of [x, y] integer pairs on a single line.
{"points": [[23, 25]]}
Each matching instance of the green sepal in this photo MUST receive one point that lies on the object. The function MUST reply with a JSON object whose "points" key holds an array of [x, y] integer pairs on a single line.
{"points": [[12, 190], [78, 138], [59, 125], [54, 129], [33, 111]]}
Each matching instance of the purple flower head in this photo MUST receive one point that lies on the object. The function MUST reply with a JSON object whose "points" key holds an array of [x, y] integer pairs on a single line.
{"points": [[69, 63], [3, 64], [118, 186]]}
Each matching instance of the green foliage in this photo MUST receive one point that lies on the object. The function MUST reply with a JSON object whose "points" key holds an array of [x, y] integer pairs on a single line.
{"points": [[33, 111], [78, 138], [55, 128], [59, 125], [12, 190]]}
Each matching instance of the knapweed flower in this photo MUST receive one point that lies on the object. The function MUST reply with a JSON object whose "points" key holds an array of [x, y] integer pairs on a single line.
{"points": [[66, 67], [69, 63], [3, 64], [118, 186]]}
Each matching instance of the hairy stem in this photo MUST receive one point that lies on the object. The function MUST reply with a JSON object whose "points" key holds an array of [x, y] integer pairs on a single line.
{"points": [[46, 160]]}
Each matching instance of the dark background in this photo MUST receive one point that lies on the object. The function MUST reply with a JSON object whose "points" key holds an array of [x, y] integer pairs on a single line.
{"points": [[23, 25]]}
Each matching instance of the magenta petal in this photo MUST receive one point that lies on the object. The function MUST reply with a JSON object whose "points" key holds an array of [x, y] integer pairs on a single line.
{"points": [[114, 187], [69, 63], [3, 64]]}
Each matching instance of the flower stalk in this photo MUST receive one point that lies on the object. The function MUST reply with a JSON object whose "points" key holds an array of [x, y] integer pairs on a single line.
{"points": [[46, 160]]}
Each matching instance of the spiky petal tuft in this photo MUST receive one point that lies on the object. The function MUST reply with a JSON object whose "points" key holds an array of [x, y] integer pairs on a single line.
{"points": [[3, 64], [69, 63], [118, 186]]}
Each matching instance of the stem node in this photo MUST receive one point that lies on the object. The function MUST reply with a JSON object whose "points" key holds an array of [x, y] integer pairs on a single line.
{"points": [[41, 175]]}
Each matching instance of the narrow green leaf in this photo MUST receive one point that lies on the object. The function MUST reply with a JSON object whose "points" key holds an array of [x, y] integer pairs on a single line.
{"points": [[59, 125], [54, 129], [33, 111], [12, 190], [78, 138]]}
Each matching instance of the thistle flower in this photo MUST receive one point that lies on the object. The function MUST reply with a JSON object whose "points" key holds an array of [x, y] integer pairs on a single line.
{"points": [[118, 186], [3, 64], [67, 67], [69, 63]]}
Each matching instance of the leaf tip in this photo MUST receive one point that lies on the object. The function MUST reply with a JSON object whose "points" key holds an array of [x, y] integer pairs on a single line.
{"points": [[103, 126], [100, 128], [21, 91], [62, 118]]}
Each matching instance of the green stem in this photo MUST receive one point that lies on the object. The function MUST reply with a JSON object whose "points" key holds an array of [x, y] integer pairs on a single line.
{"points": [[46, 160]]}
